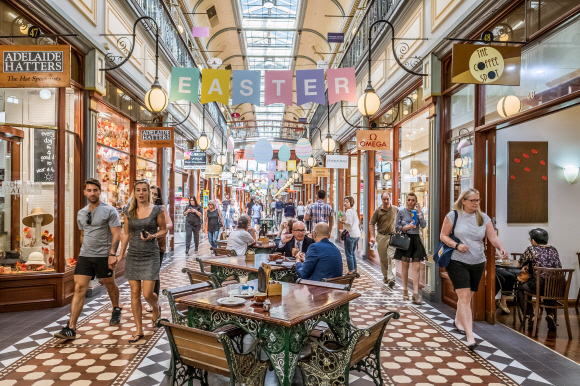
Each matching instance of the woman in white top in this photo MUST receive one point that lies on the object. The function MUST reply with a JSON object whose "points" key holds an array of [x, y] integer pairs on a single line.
{"points": [[351, 223], [300, 210]]}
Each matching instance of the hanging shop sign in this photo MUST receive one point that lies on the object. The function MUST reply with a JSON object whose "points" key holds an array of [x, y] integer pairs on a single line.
{"points": [[321, 172], [337, 161], [205, 198], [309, 179], [477, 64], [193, 160], [226, 176], [213, 171], [235, 115], [156, 137], [335, 37], [35, 66], [373, 140]]}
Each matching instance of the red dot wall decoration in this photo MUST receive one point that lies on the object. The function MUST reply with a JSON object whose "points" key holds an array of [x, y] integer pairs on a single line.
{"points": [[527, 182]]}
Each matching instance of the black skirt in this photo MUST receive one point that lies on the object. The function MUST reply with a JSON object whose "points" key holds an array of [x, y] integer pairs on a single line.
{"points": [[415, 253]]}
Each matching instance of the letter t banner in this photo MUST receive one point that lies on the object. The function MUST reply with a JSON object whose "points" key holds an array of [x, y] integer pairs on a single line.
{"points": [[215, 86], [279, 85], [310, 87], [184, 84], [246, 87], [341, 85]]}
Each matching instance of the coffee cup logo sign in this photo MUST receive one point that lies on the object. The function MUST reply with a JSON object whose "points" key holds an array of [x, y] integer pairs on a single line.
{"points": [[486, 64], [373, 140]]}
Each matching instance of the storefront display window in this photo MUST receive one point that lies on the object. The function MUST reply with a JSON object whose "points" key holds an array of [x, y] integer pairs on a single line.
{"points": [[549, 71], [383, 174], [462, 166], [414, 164], [146, 163]]}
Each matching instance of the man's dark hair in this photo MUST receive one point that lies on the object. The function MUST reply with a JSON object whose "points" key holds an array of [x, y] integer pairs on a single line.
{"points": [[93, 181], [321, 194], [539, 235], [243, 223]]}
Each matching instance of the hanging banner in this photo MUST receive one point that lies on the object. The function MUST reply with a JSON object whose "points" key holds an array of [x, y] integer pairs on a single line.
{"points": [[246, 87], [35, 66], [310, 87], [322, 64], [284, 175], [156, 137], [193, 160], [263, 151], [200, 32], [373, 140], [291, 165], [184, 84], [272, 166], [262, 167], [303, 148], [341, 85], [321, 172], [215, 86], [252, 165], [278, 175], [337, 161], [477, 64], [281, 165], [284, 153], [309, 179], [242, 164], [335, 37], [213, 171], [278, 87], [271, 175]]}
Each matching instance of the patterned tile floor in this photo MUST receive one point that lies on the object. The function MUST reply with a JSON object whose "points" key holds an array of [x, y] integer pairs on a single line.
{"points": [[418, 349]]}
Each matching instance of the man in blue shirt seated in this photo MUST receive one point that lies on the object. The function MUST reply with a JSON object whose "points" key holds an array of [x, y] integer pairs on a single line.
{"points": [[322, 260]]}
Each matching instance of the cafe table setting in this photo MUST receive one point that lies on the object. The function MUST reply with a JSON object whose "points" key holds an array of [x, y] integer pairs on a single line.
{"points": [[280, 315]]}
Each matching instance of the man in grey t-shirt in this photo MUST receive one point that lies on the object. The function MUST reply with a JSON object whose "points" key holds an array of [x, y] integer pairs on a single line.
{"points": [[100, 234]]}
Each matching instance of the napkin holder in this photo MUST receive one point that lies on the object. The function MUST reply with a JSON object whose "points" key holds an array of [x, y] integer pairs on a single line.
{"points": [[265, 240], [250, 255], [274, 288], [264, 277]]}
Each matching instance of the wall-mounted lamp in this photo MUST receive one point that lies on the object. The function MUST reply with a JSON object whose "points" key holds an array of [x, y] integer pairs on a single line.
{"points": [[509, 105], [571, 173]]}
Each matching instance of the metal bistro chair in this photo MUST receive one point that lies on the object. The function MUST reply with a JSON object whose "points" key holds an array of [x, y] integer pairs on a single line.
{"points": [[344, 279], [200, 277], [553, 294], [177, 315]]}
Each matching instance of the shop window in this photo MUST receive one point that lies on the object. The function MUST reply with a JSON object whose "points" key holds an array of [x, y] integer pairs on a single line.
{"points": [[550, 70], [146, 163], [542, 13], [353, 178], [462, 113], [383, 173], [414, 165], [75, 68], [461, 166]]}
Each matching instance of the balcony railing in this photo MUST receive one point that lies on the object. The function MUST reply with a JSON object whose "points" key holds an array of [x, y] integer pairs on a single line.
{"points": [[173, 42], [275, 129]]}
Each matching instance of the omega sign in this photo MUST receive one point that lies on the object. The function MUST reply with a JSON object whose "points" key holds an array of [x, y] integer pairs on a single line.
{"points": [[35, 66], [373, 140], [156, 137]]}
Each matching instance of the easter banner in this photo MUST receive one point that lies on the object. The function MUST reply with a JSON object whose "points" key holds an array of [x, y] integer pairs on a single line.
{"points": [[184, 84], [215, 86]]}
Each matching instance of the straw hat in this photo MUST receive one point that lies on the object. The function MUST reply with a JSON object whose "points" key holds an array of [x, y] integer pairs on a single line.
{"points": [[35, 258], [29, 220]]}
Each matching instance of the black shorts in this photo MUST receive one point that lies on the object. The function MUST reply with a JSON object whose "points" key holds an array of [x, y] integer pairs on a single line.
{"points": [[465, 275], [94, 267]]}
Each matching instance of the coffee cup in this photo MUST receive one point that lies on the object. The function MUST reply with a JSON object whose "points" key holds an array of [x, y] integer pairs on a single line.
{"points": [[243, 279], [260, 297]]}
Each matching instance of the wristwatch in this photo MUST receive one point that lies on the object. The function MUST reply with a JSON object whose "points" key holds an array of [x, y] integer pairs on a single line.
{"points": [[457, 246]]}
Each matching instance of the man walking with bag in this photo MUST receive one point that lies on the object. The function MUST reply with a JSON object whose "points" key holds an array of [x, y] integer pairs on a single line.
{"points": [[384, 218]]}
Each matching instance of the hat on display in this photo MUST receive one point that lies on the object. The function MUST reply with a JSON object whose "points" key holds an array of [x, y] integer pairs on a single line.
{"points": [[35, 258], [29, 220]]}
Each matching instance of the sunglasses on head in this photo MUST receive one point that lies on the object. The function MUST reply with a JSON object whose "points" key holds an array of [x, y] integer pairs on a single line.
{"points": [[89, 218]]}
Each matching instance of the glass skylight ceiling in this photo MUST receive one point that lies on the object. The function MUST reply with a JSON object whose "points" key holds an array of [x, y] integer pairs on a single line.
{"points": [[275, 8], [266, 63]]}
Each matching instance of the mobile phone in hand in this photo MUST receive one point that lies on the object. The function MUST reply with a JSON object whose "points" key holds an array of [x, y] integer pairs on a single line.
{"points": [[144, 234]]}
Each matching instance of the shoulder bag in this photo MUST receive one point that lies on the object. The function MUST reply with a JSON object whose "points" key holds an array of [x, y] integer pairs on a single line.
{"points": [[400, 241], [344, 235], [443, 256]]}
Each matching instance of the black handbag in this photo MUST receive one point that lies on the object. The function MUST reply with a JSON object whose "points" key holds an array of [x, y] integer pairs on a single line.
{"points": [[400, 241], [344, 235]]}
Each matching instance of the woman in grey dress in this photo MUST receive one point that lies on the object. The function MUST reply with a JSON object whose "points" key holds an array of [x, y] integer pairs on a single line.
{"points": [[144, 222]]}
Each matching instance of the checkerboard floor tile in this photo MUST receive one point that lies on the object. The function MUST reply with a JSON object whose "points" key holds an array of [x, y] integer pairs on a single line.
{"points": [[419, 348]]}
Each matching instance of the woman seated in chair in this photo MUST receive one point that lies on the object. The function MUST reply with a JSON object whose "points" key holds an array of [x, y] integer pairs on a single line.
{"points": [[539, 254], [504, 282]]}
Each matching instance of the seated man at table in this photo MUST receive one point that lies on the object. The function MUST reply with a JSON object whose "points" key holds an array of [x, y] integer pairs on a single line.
{"points": [[322, 260], [240, 238], [295, 242]]}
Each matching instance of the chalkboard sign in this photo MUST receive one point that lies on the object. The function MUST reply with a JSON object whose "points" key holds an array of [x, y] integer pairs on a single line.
{"points": [[44, 161]]}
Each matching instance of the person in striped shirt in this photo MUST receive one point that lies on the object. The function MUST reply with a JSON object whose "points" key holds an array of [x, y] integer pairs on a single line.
{"points": [[320, 211]]}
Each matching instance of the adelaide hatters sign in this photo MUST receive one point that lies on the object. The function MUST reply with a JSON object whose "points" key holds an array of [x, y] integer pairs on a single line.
{"points": [[156, 137], [35, 66]]}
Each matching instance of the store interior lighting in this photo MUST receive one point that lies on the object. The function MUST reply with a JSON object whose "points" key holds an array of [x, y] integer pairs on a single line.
{"points": [[571, 173]]}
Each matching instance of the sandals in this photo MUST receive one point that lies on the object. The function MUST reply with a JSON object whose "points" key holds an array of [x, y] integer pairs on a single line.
{"points": [[405, 295], [135, 338], [158, 317], [148, 308], [462, 332], [416, 299]]}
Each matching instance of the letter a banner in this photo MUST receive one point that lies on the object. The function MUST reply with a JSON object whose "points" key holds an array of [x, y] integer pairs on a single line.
{"points": [[246, 87], [373, 140], [310, 87], [215, 86], [278, 87], [341, 85], [184, 84]]}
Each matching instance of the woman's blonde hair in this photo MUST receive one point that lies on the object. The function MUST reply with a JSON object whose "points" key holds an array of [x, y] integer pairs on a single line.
{"points": [[133, 205], [458, 206]]}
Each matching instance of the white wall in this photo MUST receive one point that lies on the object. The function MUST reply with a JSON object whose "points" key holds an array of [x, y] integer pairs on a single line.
{"points": [[562, 132]]}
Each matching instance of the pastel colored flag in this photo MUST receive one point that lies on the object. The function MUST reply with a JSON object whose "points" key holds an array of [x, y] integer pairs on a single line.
{"points": [[281, 165], [284, 175], [271, 175], [242, 164], [310, 87], [215, 86], [341, 85], [272, 166], [278, 175], [246, 87], [252, 165], [184, 84], [200, 32], [291, 165], [262, 167], [278, 87]]}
